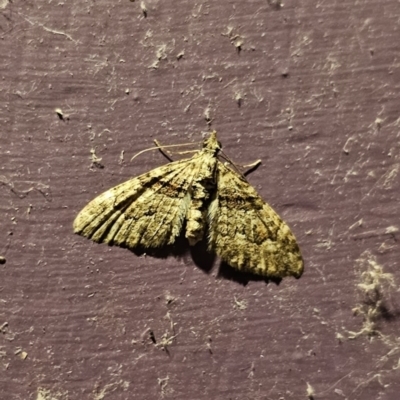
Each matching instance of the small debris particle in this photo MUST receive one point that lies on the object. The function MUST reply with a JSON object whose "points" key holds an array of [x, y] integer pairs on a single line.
{"points": [[152, 337], [378, 123], [143, 8], [3, 327], [310, 392], [60, 114], [96, 161]]}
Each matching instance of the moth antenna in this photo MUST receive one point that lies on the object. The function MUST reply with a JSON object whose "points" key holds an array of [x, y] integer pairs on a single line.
{"points": [[251, 167], [235, 166], [158, 148], [167, 156]]}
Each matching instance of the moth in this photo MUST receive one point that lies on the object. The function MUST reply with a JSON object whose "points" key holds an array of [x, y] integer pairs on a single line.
{"points": [[207, 199]]}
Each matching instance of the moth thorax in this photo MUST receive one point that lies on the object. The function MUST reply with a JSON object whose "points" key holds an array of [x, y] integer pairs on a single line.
{"points": [[212, 144]]}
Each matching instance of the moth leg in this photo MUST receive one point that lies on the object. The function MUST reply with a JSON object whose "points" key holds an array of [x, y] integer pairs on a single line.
{"points": [[163, 152], [251, 167]]}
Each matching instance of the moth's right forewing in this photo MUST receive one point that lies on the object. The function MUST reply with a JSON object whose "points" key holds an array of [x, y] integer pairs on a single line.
{"points": [[148, 210]]}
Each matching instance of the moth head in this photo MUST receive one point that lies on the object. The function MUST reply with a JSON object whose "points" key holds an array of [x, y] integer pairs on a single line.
{"points": [[212, 144]]}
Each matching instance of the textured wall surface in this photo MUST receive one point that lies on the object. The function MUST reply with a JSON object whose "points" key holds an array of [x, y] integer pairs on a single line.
{"points": [[309, 87]]}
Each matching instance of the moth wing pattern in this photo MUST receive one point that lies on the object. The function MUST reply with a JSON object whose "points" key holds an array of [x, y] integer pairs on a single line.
{"points": [[247, 233], [146, 211], [196, 194]]}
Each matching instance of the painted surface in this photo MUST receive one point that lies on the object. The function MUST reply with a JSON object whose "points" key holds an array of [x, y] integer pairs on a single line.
{"points": [[311, 88]]}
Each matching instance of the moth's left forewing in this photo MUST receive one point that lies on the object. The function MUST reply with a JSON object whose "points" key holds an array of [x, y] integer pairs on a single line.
{"points": [[247, 233]]}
